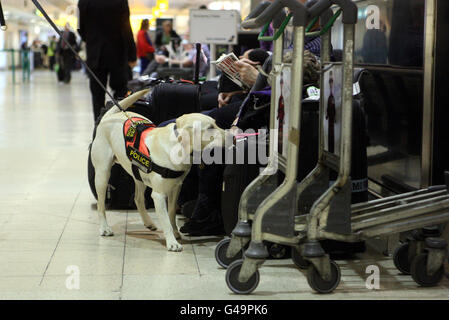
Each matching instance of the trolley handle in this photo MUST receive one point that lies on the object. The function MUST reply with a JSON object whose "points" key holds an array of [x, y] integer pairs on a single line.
{"points": [[2, 18], [298, 10], [348, 8], [258, 10], [279, 28]]}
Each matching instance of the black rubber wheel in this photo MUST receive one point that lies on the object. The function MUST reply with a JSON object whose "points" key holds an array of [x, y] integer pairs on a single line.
{"points": [[419, 272], [220, 254], [400, 258], [298, 260], [232, 279], [277, 251], [319, 284]]}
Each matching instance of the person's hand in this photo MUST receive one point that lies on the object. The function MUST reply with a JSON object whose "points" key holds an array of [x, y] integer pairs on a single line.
{"points": [[247, 71], [132, 64], [160, 59], [225, 97]]}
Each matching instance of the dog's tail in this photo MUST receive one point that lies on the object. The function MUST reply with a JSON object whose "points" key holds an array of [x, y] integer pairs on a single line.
{"points": [[128, 101]]}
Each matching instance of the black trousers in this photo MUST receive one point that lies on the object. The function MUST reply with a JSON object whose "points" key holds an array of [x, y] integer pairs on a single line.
{"points": [[225, 116], [67, 60], [52, 62], [117, 81]]}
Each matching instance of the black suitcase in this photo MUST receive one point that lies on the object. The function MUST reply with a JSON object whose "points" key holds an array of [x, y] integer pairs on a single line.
{"points": [[359, 177], [359, 158], [172, 100], [236, 177], [209, 95], [175, 73]]}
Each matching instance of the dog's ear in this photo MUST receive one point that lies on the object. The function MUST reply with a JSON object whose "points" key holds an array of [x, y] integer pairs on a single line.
{"points": [[184, 134]]}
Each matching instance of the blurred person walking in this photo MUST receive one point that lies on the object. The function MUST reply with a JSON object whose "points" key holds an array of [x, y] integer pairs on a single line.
{"points": [[105, 27], [67, 57], [145, 49]]}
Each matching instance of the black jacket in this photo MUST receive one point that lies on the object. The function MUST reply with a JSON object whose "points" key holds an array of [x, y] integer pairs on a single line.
{"points": [[105, 27], [71, 40]]}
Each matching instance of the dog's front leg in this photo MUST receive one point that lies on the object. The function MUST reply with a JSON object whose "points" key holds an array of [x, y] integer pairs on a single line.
{"points": [[172, 201], [160, 204], [139, 199]]}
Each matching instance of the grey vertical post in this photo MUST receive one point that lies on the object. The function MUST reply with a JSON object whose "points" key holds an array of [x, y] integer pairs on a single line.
{"points": [[277, 60], [346, 123], [293, 134], [213, 57], [428, 94]]}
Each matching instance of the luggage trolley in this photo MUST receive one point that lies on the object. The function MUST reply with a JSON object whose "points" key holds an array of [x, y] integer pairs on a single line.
{"points": [[317, 209], [266, 183], [229, 250]]}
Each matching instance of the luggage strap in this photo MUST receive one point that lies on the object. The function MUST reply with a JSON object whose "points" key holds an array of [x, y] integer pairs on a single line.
{"points": [[138, 153]]}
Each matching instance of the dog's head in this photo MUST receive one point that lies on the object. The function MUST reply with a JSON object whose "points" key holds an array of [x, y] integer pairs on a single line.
{"points": [[198, 131]]}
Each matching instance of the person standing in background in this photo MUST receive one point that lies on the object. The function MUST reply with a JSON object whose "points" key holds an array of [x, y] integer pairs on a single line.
{"points": [[145, 49], [165, 36], [51, 52], [104, 26], [67, 57]]}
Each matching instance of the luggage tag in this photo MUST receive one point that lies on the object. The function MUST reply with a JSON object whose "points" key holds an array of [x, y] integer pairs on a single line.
{"points": [[243, 136], [313, 94], [356, 88]]}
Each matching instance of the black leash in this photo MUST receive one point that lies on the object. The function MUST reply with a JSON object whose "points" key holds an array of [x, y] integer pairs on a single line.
{"points": [[2, 19], [53, 25]]}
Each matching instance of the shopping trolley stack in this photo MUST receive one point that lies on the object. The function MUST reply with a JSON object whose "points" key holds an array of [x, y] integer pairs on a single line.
{"points": [[300, 215]]}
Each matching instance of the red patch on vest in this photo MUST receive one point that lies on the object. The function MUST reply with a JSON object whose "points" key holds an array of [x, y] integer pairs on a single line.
{"points": [[142, 146]]}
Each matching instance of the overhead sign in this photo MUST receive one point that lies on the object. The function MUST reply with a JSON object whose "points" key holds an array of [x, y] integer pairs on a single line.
{"points": [[214, 26]]}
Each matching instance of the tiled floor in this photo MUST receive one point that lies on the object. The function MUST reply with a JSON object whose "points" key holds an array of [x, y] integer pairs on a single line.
{"points": [[48, 223]]}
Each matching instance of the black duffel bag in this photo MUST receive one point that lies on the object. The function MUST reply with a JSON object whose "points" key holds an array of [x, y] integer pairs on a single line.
{"points": [[172, 100], [175, 73]]}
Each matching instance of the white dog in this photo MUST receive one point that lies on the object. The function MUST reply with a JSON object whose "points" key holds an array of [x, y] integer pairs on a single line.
{"points": [[108, 148]]}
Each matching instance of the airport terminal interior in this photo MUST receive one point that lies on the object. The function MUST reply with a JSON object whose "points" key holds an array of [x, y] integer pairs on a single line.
{"points": [[387, 65]]}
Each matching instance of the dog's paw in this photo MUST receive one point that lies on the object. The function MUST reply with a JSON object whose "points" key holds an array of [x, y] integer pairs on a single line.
{"points": [[151, 227], [174, 246], [106, 232]]}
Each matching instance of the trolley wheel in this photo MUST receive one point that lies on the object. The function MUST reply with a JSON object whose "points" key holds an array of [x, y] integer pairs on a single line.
{"points": [[232, 279], [277, 251], [220, 253], [319, 284], [298, 260], [401, 259], [419, 272]]}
